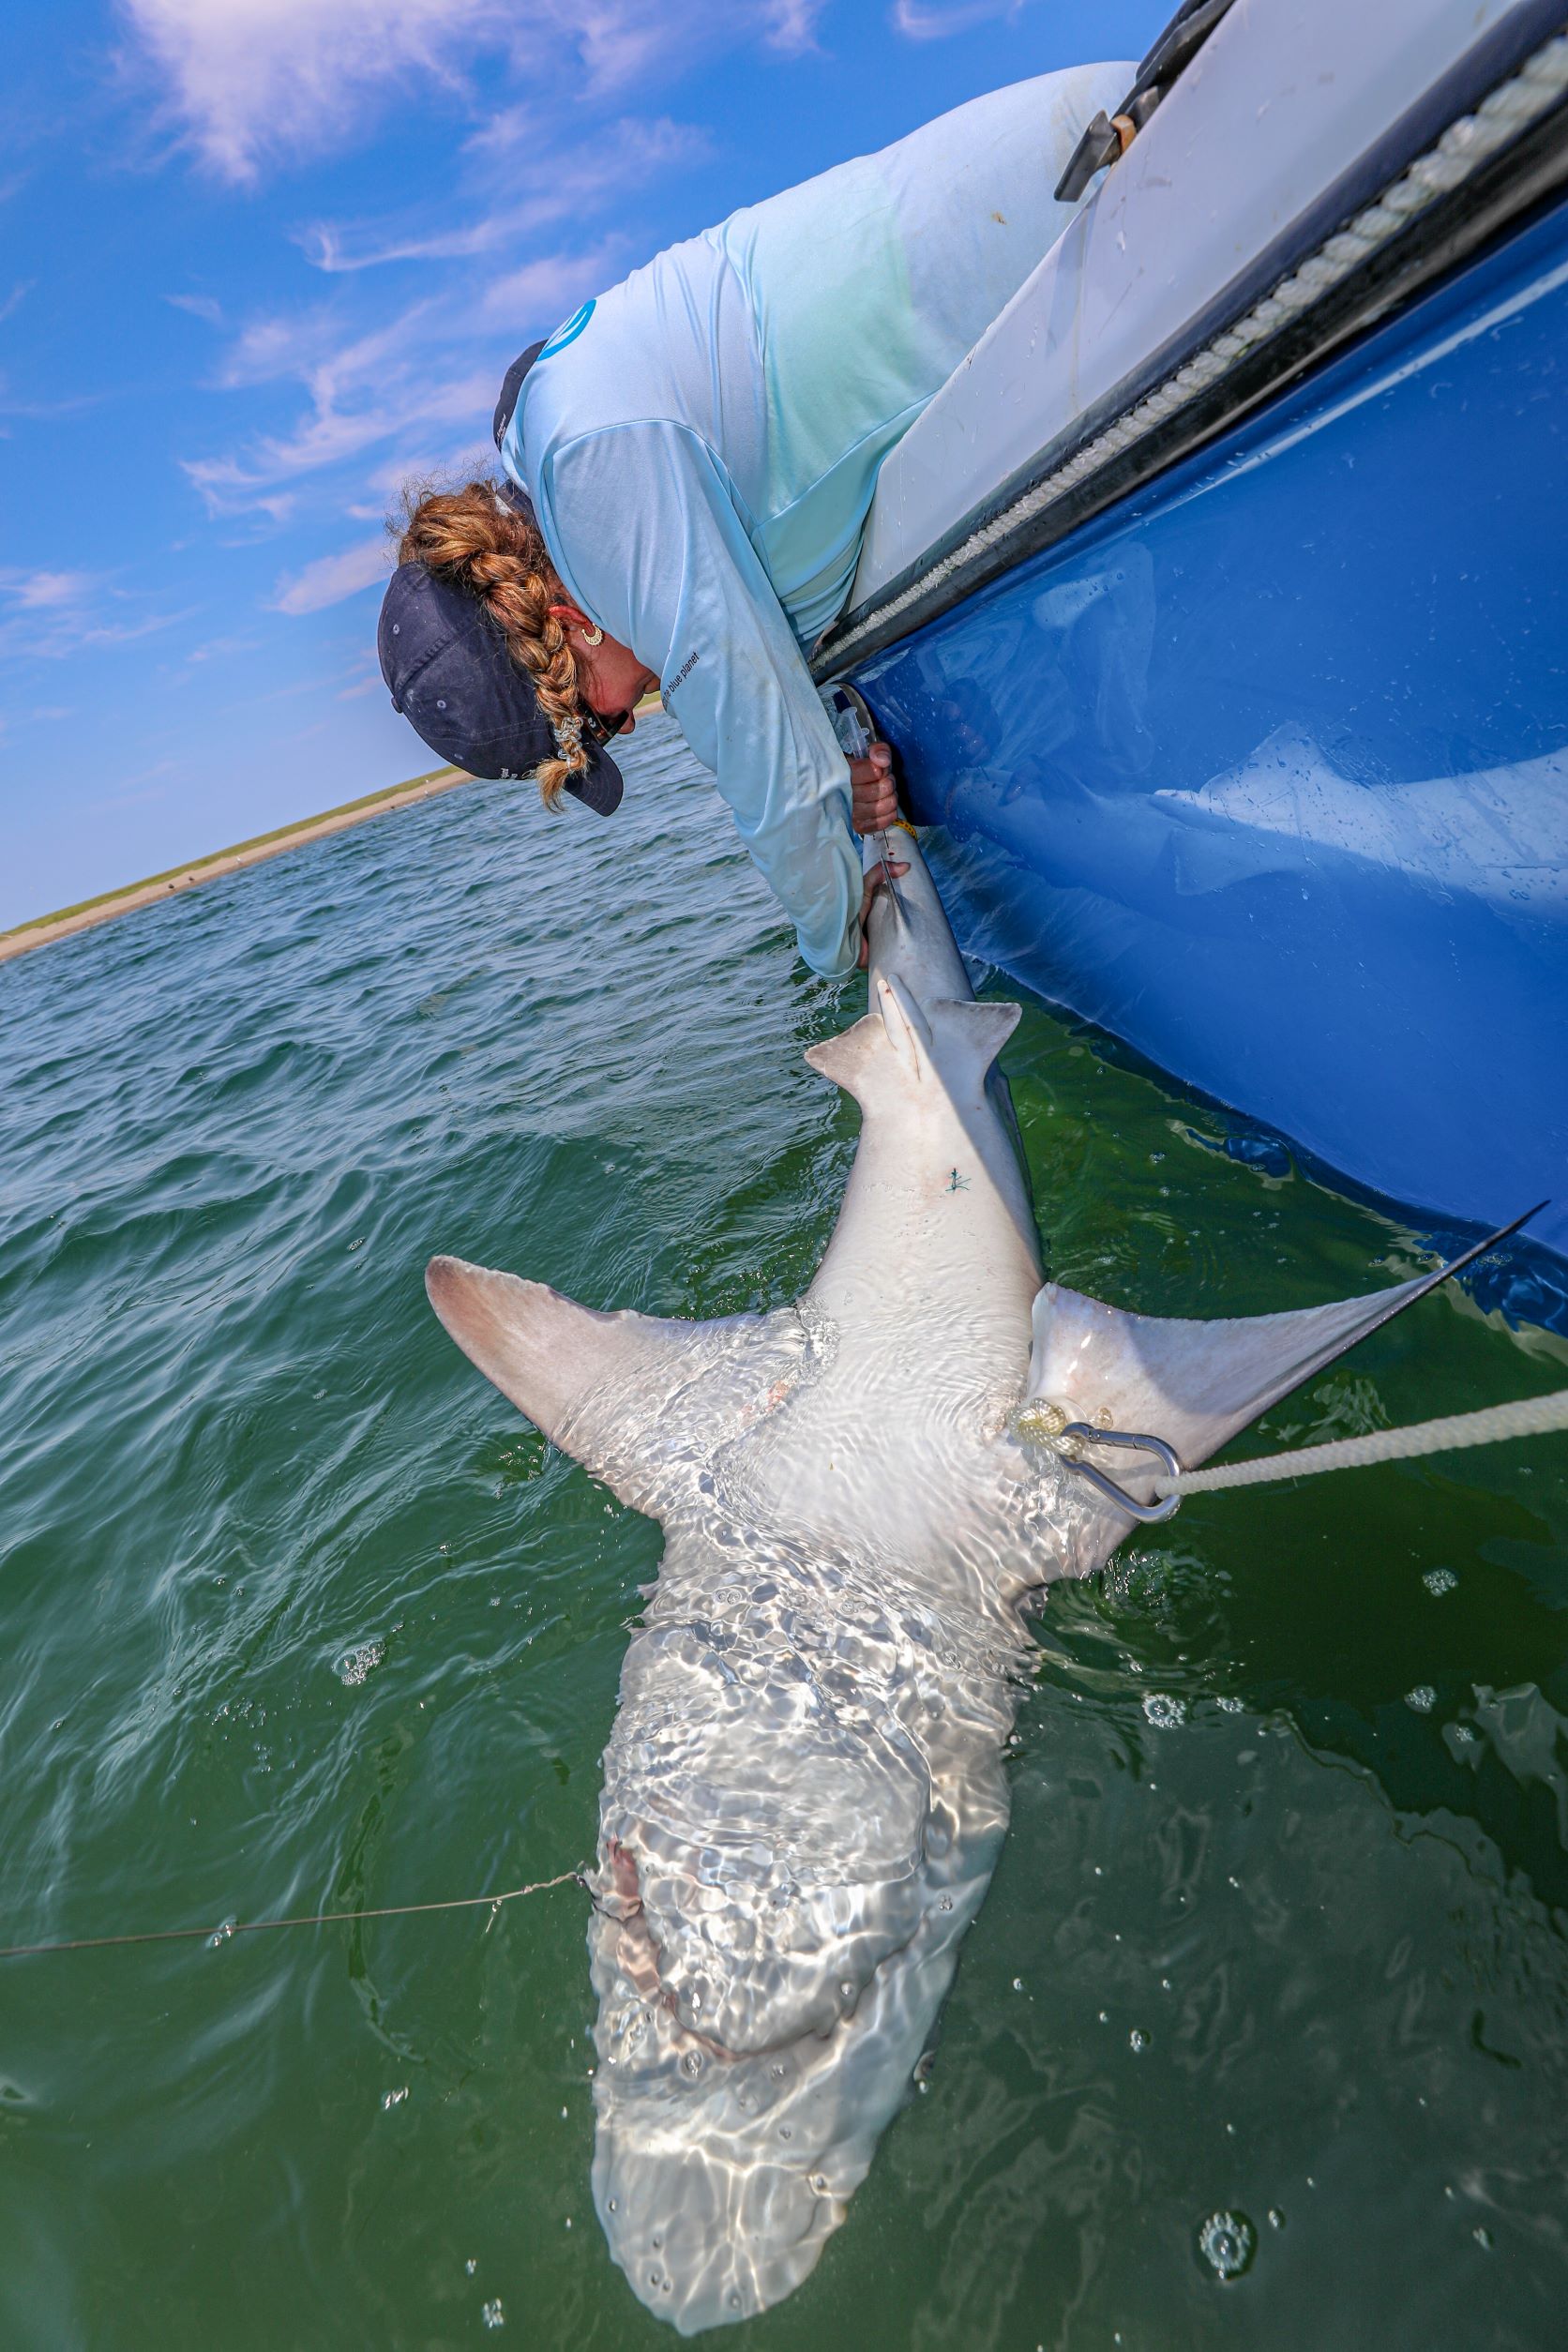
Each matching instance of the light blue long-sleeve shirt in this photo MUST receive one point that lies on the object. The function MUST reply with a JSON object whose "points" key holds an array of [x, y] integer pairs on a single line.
{"points": [[701, 444]]}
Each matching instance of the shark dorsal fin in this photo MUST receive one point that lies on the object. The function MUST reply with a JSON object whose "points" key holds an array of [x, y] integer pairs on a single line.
{"points": [[627, 1395]]}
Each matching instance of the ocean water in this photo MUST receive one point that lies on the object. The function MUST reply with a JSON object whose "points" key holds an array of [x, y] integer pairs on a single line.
{"points": [[295, 1614]]}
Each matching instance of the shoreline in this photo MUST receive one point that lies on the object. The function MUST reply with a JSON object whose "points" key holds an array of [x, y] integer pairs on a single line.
{"points": [[65, 921]]}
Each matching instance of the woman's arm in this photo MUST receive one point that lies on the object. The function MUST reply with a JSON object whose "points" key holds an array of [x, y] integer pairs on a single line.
{"points": [[647, 536]]}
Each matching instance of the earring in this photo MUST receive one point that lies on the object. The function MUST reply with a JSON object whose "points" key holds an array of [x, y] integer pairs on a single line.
{"points": [[593, 636]]}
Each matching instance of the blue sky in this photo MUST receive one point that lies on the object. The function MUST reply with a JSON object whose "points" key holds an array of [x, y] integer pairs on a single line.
{"points": [[262, 259]]}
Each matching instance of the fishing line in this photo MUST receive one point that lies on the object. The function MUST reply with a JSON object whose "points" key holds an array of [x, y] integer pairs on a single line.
{"points": [[311, 1918]]}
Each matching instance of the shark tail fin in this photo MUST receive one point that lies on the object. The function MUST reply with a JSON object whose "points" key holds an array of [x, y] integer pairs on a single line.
{"points": [[1195, 1384], [620, 1393]]}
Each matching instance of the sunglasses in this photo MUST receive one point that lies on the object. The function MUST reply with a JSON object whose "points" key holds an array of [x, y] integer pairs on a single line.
{"points": [[598, 731]]}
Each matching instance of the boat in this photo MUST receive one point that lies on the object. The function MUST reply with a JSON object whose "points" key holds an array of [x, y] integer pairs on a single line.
{"points": [[1216, 607]]}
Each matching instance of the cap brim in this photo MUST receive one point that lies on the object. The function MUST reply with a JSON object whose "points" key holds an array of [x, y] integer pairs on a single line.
{"points": [[600, 790]]}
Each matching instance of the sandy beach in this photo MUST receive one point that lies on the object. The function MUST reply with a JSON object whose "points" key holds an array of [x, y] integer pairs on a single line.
{"points": [[45, 927]]}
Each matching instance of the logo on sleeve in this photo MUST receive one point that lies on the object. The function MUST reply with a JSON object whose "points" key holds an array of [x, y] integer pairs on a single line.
{"points": [[681, 674], [567, 334]]}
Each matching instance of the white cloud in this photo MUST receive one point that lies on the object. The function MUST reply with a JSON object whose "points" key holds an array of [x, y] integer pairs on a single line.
{"points": [[921, 23], [523, 185], [249, 82], [412, 399], [791, 24], [400, 383], [332, 578], [249, 79], [542, 293], [199, 307], [45, 592], [49, 617]]}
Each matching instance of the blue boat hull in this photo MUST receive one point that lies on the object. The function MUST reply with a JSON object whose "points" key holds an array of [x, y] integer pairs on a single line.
{"points": [[1266, 769]]}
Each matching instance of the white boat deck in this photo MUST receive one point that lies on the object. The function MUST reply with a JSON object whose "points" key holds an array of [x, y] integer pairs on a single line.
{"points": [[1285, 98]]}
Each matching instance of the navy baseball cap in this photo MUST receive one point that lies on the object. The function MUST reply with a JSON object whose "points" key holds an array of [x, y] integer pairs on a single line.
{"points": [[445, 663], [511, 385]]}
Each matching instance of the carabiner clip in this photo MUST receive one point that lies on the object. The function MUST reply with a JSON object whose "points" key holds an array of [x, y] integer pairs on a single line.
{"points": [[1148, 1513]]}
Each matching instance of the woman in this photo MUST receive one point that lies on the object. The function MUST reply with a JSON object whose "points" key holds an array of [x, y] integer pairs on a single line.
{"points": [[690, 463]]}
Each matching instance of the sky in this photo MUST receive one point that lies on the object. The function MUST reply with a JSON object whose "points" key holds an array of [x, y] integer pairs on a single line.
{"points": [[260, 260]]}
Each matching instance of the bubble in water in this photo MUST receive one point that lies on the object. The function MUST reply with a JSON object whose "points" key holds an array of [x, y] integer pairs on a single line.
{"points": [[1483, 2237], [492, 2314], [356, 1664], [1017, 1985], [471, 2265], [1138, 2042], [946, 1903], [1226, 2242], [1438, 1581], [1422, 1700], [395, 2097], [1165, 1712], [690, 2064], [1276, 2218], [818, 2183], [785, 2133], [1228, 1706]]}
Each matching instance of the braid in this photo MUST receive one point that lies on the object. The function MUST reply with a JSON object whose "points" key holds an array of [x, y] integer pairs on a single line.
{"points": [[468, 538]]}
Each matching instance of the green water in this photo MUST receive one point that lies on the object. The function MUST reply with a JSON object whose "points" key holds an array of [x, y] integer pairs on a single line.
{"points": [[295, 1614]]}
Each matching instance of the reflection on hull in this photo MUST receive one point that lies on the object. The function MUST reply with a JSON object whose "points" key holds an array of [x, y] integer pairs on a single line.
{"points": [[1264, 770]]}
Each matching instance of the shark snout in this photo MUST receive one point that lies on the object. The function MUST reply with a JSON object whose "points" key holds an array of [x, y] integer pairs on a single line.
{"points": [[707, 2230]]}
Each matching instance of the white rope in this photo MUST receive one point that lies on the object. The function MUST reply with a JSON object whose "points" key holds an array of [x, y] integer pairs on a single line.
{"points": [[1526, 1418], [1464, 146]]}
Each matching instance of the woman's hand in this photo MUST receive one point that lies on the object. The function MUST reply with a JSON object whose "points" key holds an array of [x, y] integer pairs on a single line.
{"points": [[885, 869], [873, 800]]}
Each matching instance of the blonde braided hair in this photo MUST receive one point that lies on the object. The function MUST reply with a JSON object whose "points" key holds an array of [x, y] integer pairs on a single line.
{"points": [[470, 538]]}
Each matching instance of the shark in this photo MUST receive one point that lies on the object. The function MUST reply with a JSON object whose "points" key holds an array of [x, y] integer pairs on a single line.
{"points": [[863, 1494]]}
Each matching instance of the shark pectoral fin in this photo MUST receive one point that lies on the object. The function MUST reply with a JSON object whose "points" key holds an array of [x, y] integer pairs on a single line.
{"points": [[970, 1031], [1195, 1385], [895, 1033], [846, 1058], [602, 1387]]}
